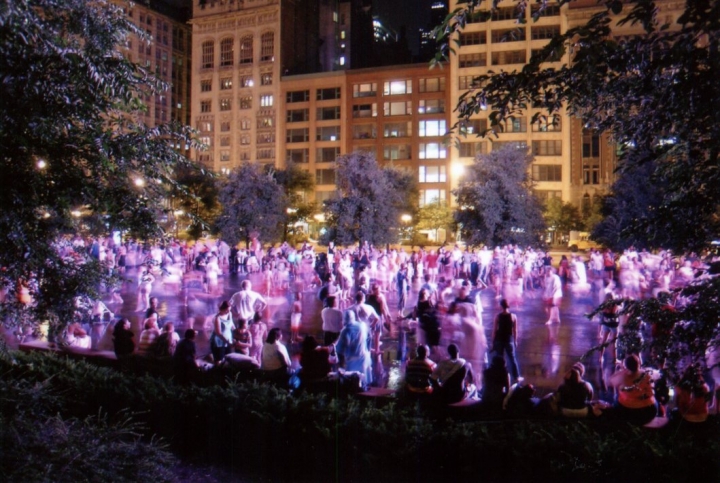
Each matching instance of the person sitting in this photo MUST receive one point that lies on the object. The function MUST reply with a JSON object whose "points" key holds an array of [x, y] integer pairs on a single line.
{"points": [[148, 336], [496, 385], [316, 361], [635, 397], [123, 343], [418, 372], [691, 396], [242, 339], [77, 337], [574, 395], [184, 363], [166, 342], [275, 361], [453, 378], [521, 402]]}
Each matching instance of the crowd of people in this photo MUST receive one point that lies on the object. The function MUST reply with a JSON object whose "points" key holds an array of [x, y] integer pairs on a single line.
{"points": [[371, 294]]}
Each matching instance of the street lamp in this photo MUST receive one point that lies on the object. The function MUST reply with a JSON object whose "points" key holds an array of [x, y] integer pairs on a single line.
{"points": [[406, 219]]}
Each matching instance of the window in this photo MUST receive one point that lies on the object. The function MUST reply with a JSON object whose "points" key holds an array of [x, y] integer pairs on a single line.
{"points": [[329, 93], [246, 102], [244, 156], [508, 35], [432, 128], [547, 172], [244, 140], [206, 140], [431, 106], [473, 126], [591, 145], [266, 153], [508, 57], [432, 174], [365, 90], [402, 108], [431, 196], [205, 126], [327, 155], [472, 60], [544, 32], [245, 124], [205, 85], [326, 113], [498, 145], [369, 150], [208, 54], [298, 96], [225, 126], [554, 56], [325, 176], [591, 174], [467, 82], [397, 129], [226, 83], [267, 47], [246, 81], [543, 124], [364, 131], [396, 151], [545, 195], [547, 148], [432, 151], [265, 137], [473, 38], [548, 11], [225, 104], [433, 84], [226, 52], [299, 135], [265, 122], [506, 13], [298, 115], [225, 141], [394, 88], [298, 155], [266, 100], [365, 110], [246, 50], [470, 150], [516, 124], [205, 106], [328, 133], [266, 79]]}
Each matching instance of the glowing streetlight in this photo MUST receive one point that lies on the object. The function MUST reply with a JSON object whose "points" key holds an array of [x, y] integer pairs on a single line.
{"points": [[406, 218], [76, 213], [41, 164], [139, 182]]}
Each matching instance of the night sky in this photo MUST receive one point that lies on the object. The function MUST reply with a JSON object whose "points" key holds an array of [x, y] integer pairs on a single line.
{"points": [[413, 14]]}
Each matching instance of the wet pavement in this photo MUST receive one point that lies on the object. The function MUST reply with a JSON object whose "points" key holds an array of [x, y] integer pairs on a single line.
{"points": [[544, 352]]}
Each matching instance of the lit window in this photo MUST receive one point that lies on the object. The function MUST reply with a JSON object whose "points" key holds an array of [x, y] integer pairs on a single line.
{"points": [[397, 87], [432, 128], [432, 174], [432, 151], [266, 100], [226, 83], [267, 47]]}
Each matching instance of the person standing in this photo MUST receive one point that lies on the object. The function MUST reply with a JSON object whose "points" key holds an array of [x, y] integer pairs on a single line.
{"points": [[332, 320], [352, 346], [247, 302], [222, 337], [505, 336], [552, 296]]}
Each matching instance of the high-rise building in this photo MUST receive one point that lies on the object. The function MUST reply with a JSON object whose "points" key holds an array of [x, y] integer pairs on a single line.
{"points": [[428, 46], [166, 50]]}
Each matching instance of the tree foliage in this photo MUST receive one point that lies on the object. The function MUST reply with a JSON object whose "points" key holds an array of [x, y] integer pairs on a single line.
{"points": [[297, 183], [496, 204], [198, 200], [71, 141], [562, 216], [252, 201], [435, 216], [369, 201], [656, 92]]}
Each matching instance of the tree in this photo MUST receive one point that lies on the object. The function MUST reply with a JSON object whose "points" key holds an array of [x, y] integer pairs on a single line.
{"points": [[296, 184], [435, 215], [198, 200], [496, 204], [72, 144], [252, 201], [369, 201], [655, 92], [562, 216]]}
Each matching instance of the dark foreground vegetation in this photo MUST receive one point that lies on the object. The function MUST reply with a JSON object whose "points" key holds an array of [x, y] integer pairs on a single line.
{"points": [[63, 420]]}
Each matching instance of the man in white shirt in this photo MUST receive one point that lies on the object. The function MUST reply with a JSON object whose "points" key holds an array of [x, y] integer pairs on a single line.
{"points": [[246, 302], [332, 320]]}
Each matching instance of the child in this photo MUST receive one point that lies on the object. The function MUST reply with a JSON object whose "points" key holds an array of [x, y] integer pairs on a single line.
{"points": [[296, 319], [258, 334], [243, 340]]}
